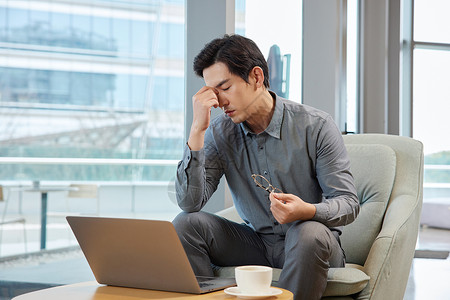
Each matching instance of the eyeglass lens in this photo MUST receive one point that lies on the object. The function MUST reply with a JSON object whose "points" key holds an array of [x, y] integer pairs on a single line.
{"points": [[262, 182]]}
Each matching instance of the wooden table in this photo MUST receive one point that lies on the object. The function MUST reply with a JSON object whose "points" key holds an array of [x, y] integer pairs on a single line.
{"points": [[94, 291]]}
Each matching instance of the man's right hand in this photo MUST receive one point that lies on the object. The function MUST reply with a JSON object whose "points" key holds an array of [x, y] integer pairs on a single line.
{"points": [[202, 102]]}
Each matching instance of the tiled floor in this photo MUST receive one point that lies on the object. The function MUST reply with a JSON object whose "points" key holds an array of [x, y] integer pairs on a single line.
{"points": [[430, 278]]}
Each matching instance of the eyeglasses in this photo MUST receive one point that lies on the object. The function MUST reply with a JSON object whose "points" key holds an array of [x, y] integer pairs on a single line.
{"points": [[265, 184]]}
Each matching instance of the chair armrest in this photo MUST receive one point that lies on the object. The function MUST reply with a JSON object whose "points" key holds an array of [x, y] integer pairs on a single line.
{"points": [[393, 250]]}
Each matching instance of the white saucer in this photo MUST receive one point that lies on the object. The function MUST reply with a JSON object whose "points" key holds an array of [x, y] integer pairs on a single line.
{"points": [[234, 291]]}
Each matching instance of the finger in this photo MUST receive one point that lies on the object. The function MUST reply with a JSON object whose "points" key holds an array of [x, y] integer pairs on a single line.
{"points": [[212, 98], [273, 201], [205, 89], [283, 198], [212, 102], [272, 196], [216, 104], [280, 196], [206, 92], [277, 212], [206, 96], [277, 207], [207, 99]]}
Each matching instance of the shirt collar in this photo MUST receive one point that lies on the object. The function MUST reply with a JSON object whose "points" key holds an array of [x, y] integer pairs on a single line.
{"points": [[274, 128]]}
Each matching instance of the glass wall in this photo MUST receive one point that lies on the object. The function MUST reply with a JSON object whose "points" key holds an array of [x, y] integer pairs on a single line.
{"points": [[97, 79], [280, 40], [353, 66], [431, 95]]}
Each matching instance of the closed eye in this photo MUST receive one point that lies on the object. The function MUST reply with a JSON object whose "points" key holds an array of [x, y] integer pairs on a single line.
{"points": [[226, 89]]}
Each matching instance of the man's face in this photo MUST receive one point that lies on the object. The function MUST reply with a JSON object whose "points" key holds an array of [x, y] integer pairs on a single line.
{"points": [[238, 98]]}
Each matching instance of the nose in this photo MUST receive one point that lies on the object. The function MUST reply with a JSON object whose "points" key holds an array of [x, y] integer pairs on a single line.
{"points": [[223, 102]]}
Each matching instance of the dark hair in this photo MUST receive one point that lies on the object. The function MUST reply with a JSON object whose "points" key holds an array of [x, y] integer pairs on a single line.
{"points": [[238, 53]]}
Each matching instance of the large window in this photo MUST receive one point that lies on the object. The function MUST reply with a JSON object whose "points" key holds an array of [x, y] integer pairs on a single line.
{"points": [[352, 67], [97, 80], [431, 94], [276, 27]]}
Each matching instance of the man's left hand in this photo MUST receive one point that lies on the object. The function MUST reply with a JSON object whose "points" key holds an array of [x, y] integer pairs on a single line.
{"points": [[287, 208]]}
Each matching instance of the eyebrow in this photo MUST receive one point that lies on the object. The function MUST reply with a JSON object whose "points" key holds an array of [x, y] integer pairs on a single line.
{"points": [[222, 82]]}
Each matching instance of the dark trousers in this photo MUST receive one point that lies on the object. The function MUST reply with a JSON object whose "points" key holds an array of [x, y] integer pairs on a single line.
{"points": [[305, 254]]}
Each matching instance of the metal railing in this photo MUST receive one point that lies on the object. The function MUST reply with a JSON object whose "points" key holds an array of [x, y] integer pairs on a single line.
{"points": [[87, 161], [153, 162], [437, 185]]}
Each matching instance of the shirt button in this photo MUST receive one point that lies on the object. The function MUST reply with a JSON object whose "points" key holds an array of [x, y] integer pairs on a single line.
{"points": [[276, 223], [265, 172], [261, 148]]}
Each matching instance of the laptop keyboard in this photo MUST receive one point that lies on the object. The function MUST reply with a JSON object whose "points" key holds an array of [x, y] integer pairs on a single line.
{"points": [[204, 281], [209, 283], [204, 284]]}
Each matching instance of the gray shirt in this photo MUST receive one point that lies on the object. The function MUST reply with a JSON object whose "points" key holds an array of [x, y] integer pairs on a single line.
{"points": [[301, 152]]}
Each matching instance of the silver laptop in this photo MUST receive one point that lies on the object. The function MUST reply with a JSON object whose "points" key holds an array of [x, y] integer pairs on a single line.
{"points": [[143, 254]]}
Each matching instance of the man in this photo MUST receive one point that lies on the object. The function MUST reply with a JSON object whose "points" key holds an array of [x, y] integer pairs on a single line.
{"points": [[288, 146]]}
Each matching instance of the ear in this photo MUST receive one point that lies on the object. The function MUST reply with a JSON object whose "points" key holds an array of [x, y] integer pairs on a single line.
{"points": [[257, 75]]}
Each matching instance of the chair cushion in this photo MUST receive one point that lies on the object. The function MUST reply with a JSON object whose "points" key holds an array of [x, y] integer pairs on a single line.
{"points": [[373, 167], [341, 281], [345, 281]]}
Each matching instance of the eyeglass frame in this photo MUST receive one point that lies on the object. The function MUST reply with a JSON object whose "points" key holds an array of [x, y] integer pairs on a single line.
{"points": [[270, 188]]}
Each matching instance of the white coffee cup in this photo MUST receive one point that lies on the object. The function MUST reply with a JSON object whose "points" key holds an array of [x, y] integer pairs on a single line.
{"points": [[253, 280]]}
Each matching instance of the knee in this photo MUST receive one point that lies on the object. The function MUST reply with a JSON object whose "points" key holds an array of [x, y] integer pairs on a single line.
{"points": [[186, 222], [309, 237]]}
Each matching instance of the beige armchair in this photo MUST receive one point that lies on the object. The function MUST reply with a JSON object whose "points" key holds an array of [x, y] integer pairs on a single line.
{"points": [[380, 244]]}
